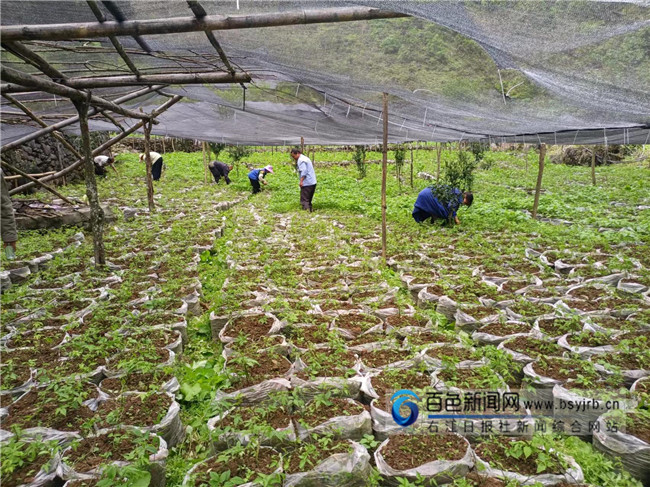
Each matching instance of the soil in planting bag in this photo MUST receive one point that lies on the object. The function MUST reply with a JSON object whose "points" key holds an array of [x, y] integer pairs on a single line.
{"points": [[46, 476], [584, 352], [610, 280], [396, 358], [352, 427], [190, 477], [339, 386], [233, 437], [22, 372], [427, 298], [510, 329], [217, 322], [385, 311], [230, 331], [435, 472], [167, 359], [543, 385], [169, 384], [447, 307], [629, 375], [435, 355], [631, 287], [19, 274], [170, 427], [156, 466], [193, 302], [573, 474], [350, 469], [633, 451]]}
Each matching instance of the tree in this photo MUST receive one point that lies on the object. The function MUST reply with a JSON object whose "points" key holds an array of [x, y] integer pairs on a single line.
{"points": [[360, 159], [237, 153]]}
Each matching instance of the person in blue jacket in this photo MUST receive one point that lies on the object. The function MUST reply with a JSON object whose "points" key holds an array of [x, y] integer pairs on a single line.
{"points": [[429, 205], [257, 175]]}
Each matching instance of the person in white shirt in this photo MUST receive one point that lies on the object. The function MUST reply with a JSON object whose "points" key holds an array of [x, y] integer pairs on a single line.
{"points": [[157, 164], [100, 164], [307, 178]]}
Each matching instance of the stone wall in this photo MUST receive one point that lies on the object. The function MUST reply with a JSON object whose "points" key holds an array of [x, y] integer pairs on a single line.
{"points": [[48, 154]]}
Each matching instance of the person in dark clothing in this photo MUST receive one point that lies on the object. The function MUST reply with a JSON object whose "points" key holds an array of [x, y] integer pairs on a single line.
{"points": [[220, 170], [156, 164], [100, 164], [257, 175], [428, 205]]}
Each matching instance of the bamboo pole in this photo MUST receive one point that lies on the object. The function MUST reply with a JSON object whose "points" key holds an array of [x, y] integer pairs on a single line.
{"points": [[102, 147], [384, 169], [37, 182], [70, 121], [438, 154], [25, 79], [147, 158], [205, 164], [167, 78], [96, 211], [176, 25], [302, 145], [411, 166], [38, 175], [593, 166], [34, 59], [540, 173]]}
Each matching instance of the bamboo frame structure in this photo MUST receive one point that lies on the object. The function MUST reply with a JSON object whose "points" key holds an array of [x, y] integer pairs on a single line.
{"points": [[36, 181], [102, 147], [177, 25], [70, 121]]}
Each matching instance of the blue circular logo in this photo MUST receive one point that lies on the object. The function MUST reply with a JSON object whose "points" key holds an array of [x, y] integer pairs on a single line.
{"points": [[404, 396]]}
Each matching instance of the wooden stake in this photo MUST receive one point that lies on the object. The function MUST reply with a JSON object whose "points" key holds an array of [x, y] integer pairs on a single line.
{"points": [[593, 167], [384, 168], [96, 211], [411, 166], [302, 145], [147, 158], [439, 153], [540, 172], [205, 164], [36, 181]]}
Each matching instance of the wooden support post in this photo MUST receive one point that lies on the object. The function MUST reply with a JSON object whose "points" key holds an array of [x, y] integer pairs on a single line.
{"points": [[438, 153], [384, 169], [302, 145], [96, 211], [147, 158], [411, 166], [593, 166], [540, 173], [205, 164], [37, 182]]}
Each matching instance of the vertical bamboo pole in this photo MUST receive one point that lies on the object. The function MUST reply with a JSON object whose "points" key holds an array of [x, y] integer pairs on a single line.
{"points": [[540, 172], [384, 168], [302, 145], [411, 166], [439, 153], [593, 166], [147, 158], [96, 211], [205, 163]]}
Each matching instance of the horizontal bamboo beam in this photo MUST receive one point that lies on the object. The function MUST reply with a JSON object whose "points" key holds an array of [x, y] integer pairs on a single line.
{"points": [[37, 182], [34, 59], [167, 78], [75, 119], [99, 150], [18, 77], [177, 25]]}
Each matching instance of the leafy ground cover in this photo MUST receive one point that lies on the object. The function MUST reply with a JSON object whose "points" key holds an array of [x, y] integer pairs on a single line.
{"points": [[204, 301]]}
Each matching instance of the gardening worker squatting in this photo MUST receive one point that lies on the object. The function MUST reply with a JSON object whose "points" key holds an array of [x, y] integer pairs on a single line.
{"points": [[220, 170], [157, 164], [257, 175], [427, 205], [307, 178]]}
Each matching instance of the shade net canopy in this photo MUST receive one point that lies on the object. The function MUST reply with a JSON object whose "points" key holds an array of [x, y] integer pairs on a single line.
{"points": [[559, 72]]}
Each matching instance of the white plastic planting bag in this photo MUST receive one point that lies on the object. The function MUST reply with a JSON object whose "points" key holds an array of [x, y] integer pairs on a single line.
{"points": [[438, 471], [483, 338], [156, 466], [341, 427], [447, 307], [228, 334], [573, 474], [230, 438], [632, 451], [340, 470], [339, 386], [255, 393], [584, 352]]}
